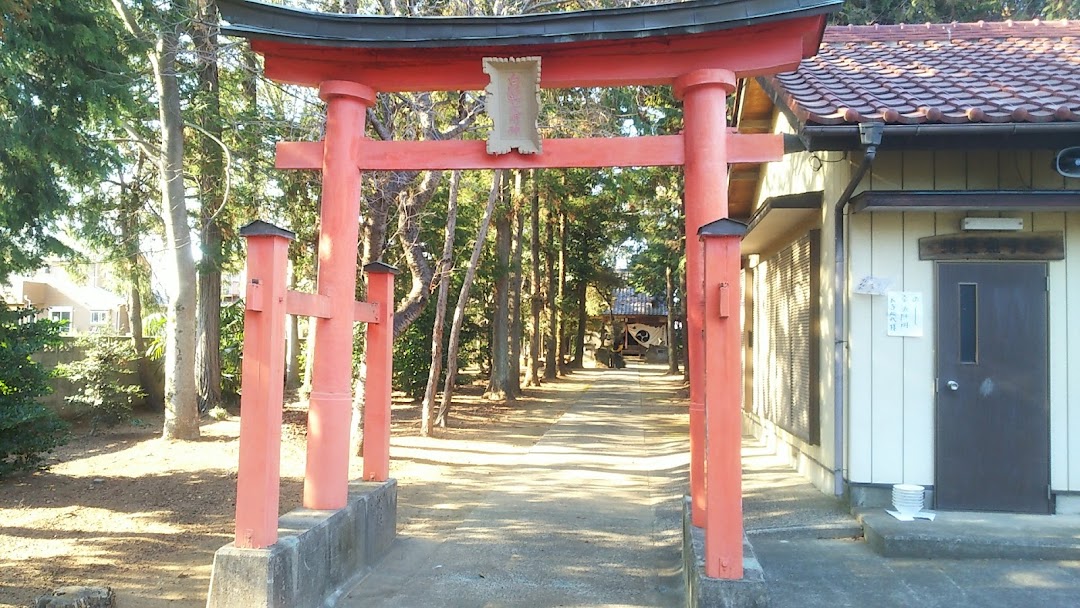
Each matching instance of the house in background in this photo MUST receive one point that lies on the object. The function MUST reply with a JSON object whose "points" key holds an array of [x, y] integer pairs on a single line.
{"points": [[912, 277], [85, 306], [639, 325]]}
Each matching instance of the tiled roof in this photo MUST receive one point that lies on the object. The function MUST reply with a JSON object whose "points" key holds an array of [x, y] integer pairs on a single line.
{"points": [[632, 303], [938, 73]]}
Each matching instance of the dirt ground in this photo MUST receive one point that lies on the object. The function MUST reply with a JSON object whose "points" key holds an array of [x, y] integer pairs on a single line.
{"points": [[144, 516]]}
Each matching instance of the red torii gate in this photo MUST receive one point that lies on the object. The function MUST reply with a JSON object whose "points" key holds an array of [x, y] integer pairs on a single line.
{"points": [[699, 46]]}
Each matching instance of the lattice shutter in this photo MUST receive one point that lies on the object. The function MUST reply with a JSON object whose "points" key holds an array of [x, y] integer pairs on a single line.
{"points": [[786, 349]]}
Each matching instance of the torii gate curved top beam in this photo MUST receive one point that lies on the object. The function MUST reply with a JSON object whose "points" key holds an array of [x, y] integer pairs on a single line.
{"points": [[643, 45]]}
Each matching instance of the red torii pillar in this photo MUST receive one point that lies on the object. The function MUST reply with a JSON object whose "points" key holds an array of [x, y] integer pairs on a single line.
{"points": [[704, 94], [326, 477]]}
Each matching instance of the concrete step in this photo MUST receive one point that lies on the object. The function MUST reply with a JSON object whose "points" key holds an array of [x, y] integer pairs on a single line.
{"points": [[974, 535]]}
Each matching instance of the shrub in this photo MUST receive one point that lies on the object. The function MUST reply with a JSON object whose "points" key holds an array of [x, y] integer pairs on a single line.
{"points": [[28, 430], [412, 355], [101, 394], [232, 347]]}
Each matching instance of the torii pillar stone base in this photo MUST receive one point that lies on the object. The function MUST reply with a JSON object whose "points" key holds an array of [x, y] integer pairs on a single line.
{"points": [[318, 556]]}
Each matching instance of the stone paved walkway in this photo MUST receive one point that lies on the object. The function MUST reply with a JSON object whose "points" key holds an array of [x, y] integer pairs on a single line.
{"points": [[588, 517]]}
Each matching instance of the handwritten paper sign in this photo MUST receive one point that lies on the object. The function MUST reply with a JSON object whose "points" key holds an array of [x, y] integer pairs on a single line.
{"points": [[513, 103], [905, 312], [873, 286]]}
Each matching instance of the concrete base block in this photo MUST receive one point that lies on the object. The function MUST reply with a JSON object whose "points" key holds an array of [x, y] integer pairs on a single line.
{"points": [[319, 554], [705, 592]]}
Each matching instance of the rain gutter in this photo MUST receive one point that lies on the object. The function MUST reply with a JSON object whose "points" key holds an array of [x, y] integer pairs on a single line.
{"points": [[967, 128], [870, 138]]}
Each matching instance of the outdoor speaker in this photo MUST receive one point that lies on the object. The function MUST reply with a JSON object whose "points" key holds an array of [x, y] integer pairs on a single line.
{"points": [[1067, 162]]}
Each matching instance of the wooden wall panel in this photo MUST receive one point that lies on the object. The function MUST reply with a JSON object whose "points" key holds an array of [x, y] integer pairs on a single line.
{"points": [[918, 357], [1043, 175], [860, 352], [982, 170], [1067, 297], [1058, 346], [950, 170], [888, 355], [887, 172], [918, 170], [1014, 170]]}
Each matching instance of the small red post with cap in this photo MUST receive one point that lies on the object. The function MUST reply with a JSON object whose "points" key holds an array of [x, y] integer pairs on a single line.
{"points": [[723, 399], [262, 372], [379, 358]]}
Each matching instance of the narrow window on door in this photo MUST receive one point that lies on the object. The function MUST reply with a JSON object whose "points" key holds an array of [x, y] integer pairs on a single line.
{"points": [[969, 323]]}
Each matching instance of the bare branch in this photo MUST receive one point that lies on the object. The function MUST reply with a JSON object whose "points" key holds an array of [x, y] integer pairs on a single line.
{"points": [[228, 170], [147, 148], [413, 246], [380, 127], [130, 23]]}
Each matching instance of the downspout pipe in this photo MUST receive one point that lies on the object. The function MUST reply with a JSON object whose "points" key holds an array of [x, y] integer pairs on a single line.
{"points": [[870, 138]]}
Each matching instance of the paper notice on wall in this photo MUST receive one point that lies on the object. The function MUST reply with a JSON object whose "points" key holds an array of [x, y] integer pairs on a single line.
{"points": [[905, 314], [873, 286]]}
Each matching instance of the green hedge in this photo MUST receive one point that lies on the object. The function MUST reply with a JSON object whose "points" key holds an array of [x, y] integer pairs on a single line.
{"points": [[28, 430]]}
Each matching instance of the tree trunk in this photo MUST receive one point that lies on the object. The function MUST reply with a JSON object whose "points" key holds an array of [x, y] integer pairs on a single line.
{"points": [[561, 357], [309, 343], [463, 296], [516, 278], [672, 354], [211, 175], [131, 207], [536, 301], [498, 384], [208, 345], [292, 353], [552, 337], [412, 244], [293, 373], [181, 404], [579, 337], [445, 267]]}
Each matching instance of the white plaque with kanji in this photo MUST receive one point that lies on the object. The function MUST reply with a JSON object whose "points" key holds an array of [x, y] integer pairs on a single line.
{"points": [[513, 103]]}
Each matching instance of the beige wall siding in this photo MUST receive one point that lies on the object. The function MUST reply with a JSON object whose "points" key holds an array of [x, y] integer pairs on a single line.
{"points": [[891, 379], [806, 172], [890, 393]]}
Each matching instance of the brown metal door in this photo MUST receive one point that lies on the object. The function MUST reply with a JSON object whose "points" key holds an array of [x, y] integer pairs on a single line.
{"points": [[992, 447]]}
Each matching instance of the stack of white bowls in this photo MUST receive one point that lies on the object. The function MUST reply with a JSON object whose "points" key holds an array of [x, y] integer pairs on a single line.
{"points": [[907, 498]]}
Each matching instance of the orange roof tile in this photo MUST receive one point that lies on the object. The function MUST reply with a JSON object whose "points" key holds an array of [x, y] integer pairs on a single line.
{"points": [[938, 73]]}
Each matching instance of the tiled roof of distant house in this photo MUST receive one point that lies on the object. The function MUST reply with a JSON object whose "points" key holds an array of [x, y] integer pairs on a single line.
{"points": [[631, 303], [1021, 72]]}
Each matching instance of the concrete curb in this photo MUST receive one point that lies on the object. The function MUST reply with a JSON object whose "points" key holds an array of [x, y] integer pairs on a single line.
{"points": [[705, 592], [319, 554]]}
